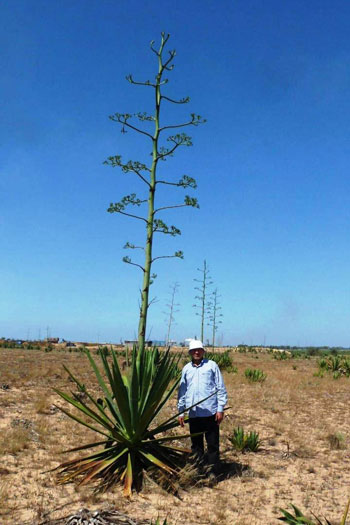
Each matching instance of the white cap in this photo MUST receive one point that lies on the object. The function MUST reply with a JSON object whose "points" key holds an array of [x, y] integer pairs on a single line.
{"points": [[194, 344]]}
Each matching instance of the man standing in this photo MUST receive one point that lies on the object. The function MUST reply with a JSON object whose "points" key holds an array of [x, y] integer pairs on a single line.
{"points": [[202, 378]]}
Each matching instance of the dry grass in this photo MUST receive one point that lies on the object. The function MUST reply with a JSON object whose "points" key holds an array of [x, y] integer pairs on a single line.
{"points": [[16, 440], [3, 494], [336, 441], [301, 419]]}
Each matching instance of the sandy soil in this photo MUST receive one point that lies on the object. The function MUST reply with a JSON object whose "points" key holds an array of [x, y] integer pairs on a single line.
{"points": [[303, 422]]}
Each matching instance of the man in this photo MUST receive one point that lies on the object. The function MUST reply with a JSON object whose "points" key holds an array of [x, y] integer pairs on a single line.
{"points": [[201, 378]]}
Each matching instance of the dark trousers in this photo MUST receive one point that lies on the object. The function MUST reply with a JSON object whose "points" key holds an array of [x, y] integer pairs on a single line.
{"points": [[209, 426]]}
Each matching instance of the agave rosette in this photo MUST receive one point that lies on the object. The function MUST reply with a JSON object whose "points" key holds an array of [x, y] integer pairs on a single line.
{"points": [[124, 419]]}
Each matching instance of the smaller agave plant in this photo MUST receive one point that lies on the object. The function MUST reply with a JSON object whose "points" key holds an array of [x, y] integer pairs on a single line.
{"points": [[243, 441], [299, 518], [255, 375], [132, 442]]}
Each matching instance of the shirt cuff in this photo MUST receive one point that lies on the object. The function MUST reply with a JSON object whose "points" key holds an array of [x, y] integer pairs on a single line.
{"points": [[221, 408]]}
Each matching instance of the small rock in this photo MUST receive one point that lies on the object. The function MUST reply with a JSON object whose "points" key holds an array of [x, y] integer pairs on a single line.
{"points": [[18, 422]]}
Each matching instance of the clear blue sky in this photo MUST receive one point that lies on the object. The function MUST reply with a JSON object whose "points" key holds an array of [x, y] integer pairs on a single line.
{"points": [[272, 166]]}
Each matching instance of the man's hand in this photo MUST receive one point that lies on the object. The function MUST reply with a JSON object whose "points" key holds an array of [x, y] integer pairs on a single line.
{"points": [[182, 420], [219, 416]]}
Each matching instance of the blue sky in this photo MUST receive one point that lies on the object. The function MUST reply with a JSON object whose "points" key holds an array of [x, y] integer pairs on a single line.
{"points": [[272, 79]]}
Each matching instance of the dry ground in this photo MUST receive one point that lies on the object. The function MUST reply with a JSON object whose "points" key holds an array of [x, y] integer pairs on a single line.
{"points": [[302, 419]]}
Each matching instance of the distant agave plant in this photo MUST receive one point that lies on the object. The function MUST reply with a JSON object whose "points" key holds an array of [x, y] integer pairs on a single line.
{"points": [[255, 375], [223, 360], [338, 365]]}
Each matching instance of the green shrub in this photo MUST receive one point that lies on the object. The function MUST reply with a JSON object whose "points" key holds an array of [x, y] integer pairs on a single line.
{"points": [[242, 441], [255, 375]]}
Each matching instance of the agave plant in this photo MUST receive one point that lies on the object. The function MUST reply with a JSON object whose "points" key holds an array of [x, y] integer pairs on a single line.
{"points": [[338, 365], [124, 418], [223, 360], [255, 375], [242, 441], [300, 519]]}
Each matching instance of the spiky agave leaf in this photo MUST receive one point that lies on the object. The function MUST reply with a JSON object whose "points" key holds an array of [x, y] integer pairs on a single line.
{"points": [[299, 517], [125, 419], [346, 512]]}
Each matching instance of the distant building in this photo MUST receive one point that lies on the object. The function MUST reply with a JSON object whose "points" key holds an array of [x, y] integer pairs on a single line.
{"points": [[131, 343], [158, 343]]}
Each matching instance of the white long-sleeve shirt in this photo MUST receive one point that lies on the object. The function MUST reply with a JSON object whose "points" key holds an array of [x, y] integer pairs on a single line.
{"points": [[199, 382]]}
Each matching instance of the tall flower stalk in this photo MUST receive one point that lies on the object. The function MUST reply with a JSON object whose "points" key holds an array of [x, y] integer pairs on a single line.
{"points": [[161, 150]]}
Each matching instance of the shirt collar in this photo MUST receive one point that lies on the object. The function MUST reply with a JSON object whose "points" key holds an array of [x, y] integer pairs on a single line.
{"points": [[204, 360]]}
